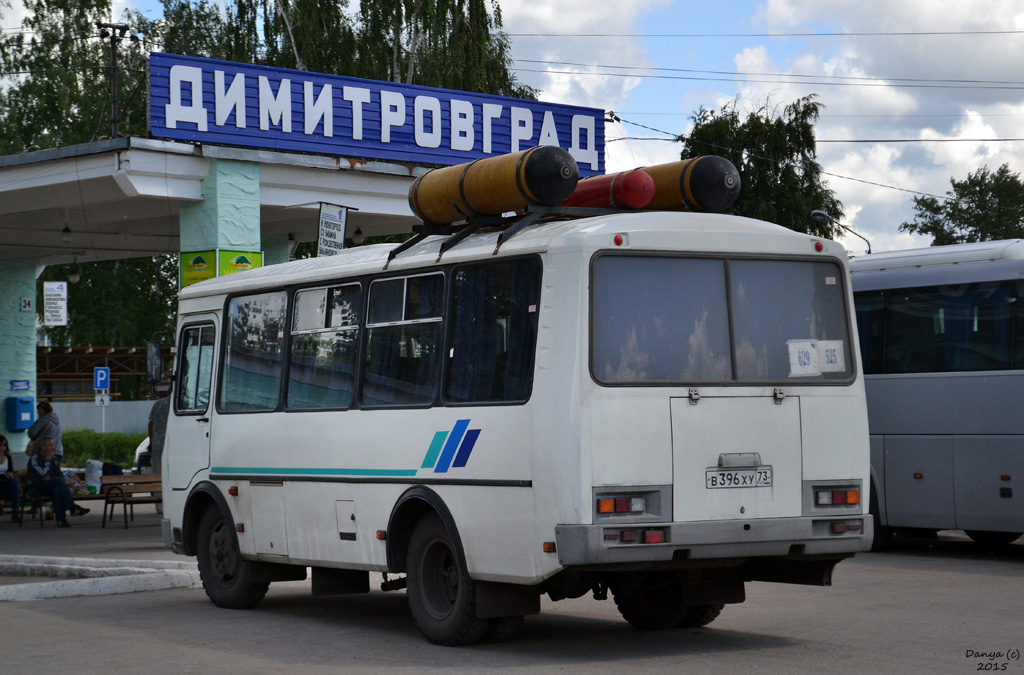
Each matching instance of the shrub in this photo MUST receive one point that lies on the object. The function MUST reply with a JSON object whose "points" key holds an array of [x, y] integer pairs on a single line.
{"points": [[85, 444]]}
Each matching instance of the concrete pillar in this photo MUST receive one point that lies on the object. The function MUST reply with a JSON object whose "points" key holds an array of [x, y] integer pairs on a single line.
{"points": [[229, 215], [17, 339]]}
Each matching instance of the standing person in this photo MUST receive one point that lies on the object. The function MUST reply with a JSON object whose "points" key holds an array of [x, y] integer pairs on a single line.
{"points": [[8, 481], [47, 426], [44, 478], [157, 431]]}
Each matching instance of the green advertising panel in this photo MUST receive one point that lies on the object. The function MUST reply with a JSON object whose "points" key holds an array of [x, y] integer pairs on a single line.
{"points": [[196, 266], [229, 262]]}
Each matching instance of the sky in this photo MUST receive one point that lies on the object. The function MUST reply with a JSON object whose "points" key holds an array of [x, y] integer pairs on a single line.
{"points": [[915, 92]]}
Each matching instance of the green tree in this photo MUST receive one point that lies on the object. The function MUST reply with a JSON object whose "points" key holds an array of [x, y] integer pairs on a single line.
{"points": [[456, 44], [55, 74], [986, 206], [775, 153], [115, 303]]}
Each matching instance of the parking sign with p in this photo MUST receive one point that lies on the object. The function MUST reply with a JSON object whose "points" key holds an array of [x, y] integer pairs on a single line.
{"points": [[100, 379]]}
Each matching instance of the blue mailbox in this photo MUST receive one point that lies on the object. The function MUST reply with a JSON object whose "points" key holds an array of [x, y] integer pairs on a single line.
{"points": [[20, 413]]}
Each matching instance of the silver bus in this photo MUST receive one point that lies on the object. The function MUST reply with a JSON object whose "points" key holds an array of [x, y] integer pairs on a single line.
{"points": [[942, 335]]}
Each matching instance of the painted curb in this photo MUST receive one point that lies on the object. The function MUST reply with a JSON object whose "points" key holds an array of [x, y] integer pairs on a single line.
{"points": [[92, 576]]}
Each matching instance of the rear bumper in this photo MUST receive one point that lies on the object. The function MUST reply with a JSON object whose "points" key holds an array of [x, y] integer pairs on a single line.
{"points": [[769, 537]]}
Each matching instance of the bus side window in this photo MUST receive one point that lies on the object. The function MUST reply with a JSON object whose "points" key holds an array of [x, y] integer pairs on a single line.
{"points": [[871, 329], [253, 358], [403, 341], [195, 369], [493, 332], [324, 350]]}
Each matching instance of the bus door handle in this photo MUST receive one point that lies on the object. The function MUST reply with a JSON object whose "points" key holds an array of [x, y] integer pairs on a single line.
{"points": [[202, 420]]}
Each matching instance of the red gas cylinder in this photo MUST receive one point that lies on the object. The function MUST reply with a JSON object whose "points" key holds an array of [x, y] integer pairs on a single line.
{"points": [[627, 190]]}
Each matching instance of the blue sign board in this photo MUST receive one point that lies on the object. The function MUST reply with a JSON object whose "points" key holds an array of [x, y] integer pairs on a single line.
{"points": [[18, 385], [100, 378], [220, 102]]}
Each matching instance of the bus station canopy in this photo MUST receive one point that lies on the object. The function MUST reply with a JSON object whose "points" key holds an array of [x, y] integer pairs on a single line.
{"points": [[120, 198]]}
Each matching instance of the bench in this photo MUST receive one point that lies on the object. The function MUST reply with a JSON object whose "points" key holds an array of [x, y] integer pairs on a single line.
{"points": [[128, 490]]}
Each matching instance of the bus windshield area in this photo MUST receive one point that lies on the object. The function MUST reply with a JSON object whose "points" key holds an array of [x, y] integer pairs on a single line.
{"points": [[667, 320]]}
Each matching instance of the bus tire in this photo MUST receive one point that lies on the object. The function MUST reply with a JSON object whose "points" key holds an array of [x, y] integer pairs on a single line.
{"points": [[989, 538], [663, 608], [700, 615], [223, 571], [442, 597]]}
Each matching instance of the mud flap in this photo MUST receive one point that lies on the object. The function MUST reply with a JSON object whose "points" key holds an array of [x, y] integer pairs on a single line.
{"points": [[815, 572], [495, 600]]}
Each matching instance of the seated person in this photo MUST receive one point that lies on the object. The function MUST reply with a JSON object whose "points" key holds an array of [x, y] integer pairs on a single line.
{"points": [[8, 481], [44, 478]]}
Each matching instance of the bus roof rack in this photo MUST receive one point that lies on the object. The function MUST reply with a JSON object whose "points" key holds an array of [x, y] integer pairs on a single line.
{"points": [[509, 226]]}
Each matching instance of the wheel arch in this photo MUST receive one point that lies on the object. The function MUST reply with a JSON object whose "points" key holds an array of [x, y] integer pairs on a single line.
{"points": [[410, 507], [202, 497]]}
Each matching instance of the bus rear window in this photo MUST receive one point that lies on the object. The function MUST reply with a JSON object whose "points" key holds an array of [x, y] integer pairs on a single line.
{"points": [[666, 320]]}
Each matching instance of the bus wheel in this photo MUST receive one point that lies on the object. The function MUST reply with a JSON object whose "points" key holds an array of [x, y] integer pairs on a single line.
{"points": [[224, 573], [700, 615], [987, 538], [663, 608], [442, 597]]}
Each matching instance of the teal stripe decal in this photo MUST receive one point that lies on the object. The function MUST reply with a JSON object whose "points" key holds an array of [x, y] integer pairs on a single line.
{"points": [[291, 471], [435, 450]]}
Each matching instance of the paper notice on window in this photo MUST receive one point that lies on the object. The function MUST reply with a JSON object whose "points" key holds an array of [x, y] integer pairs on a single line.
{"points": [[803, 358], [810, 358], [831, 356]]}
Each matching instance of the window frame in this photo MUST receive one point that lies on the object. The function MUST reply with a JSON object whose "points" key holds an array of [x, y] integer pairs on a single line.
{"points": [[449, 326], [179, 373], [852, 354], [358, 328], [366, 326], [285, 348]]}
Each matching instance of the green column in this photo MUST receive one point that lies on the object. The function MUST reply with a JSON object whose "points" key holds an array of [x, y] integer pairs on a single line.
{"points": [[17, 338], [229, 215]]}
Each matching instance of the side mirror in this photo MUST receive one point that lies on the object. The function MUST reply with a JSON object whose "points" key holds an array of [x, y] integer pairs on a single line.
{"points": [[154, 363]]}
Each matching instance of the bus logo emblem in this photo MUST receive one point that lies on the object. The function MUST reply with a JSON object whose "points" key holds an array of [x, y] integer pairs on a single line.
{"points": [[453, 447]]}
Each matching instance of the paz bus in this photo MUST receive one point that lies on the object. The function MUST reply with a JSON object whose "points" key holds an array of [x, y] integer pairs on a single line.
{"points": [[524, 399], [942, 334]]}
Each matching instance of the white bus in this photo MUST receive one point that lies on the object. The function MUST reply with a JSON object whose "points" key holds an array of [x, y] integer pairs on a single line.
{"points": [[942, 334], [660, 405]]}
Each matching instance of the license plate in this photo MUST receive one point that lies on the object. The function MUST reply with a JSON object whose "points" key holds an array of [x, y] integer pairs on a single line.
{"points": [[743, 478]]}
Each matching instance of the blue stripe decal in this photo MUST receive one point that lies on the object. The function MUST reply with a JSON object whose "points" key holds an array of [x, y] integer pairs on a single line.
{"points": [[466, 448], [291, 471], [458, 431], [434, 450]]}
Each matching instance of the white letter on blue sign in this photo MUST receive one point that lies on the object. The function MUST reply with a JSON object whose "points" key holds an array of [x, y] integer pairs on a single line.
{"points": [[176, 111], [586, 153], [492, 111], [275, 109], [548, 133], [392, 113], [423, 105], [232, 99], [323, 108], [462, 125], [357, 96], [522, 126]]}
